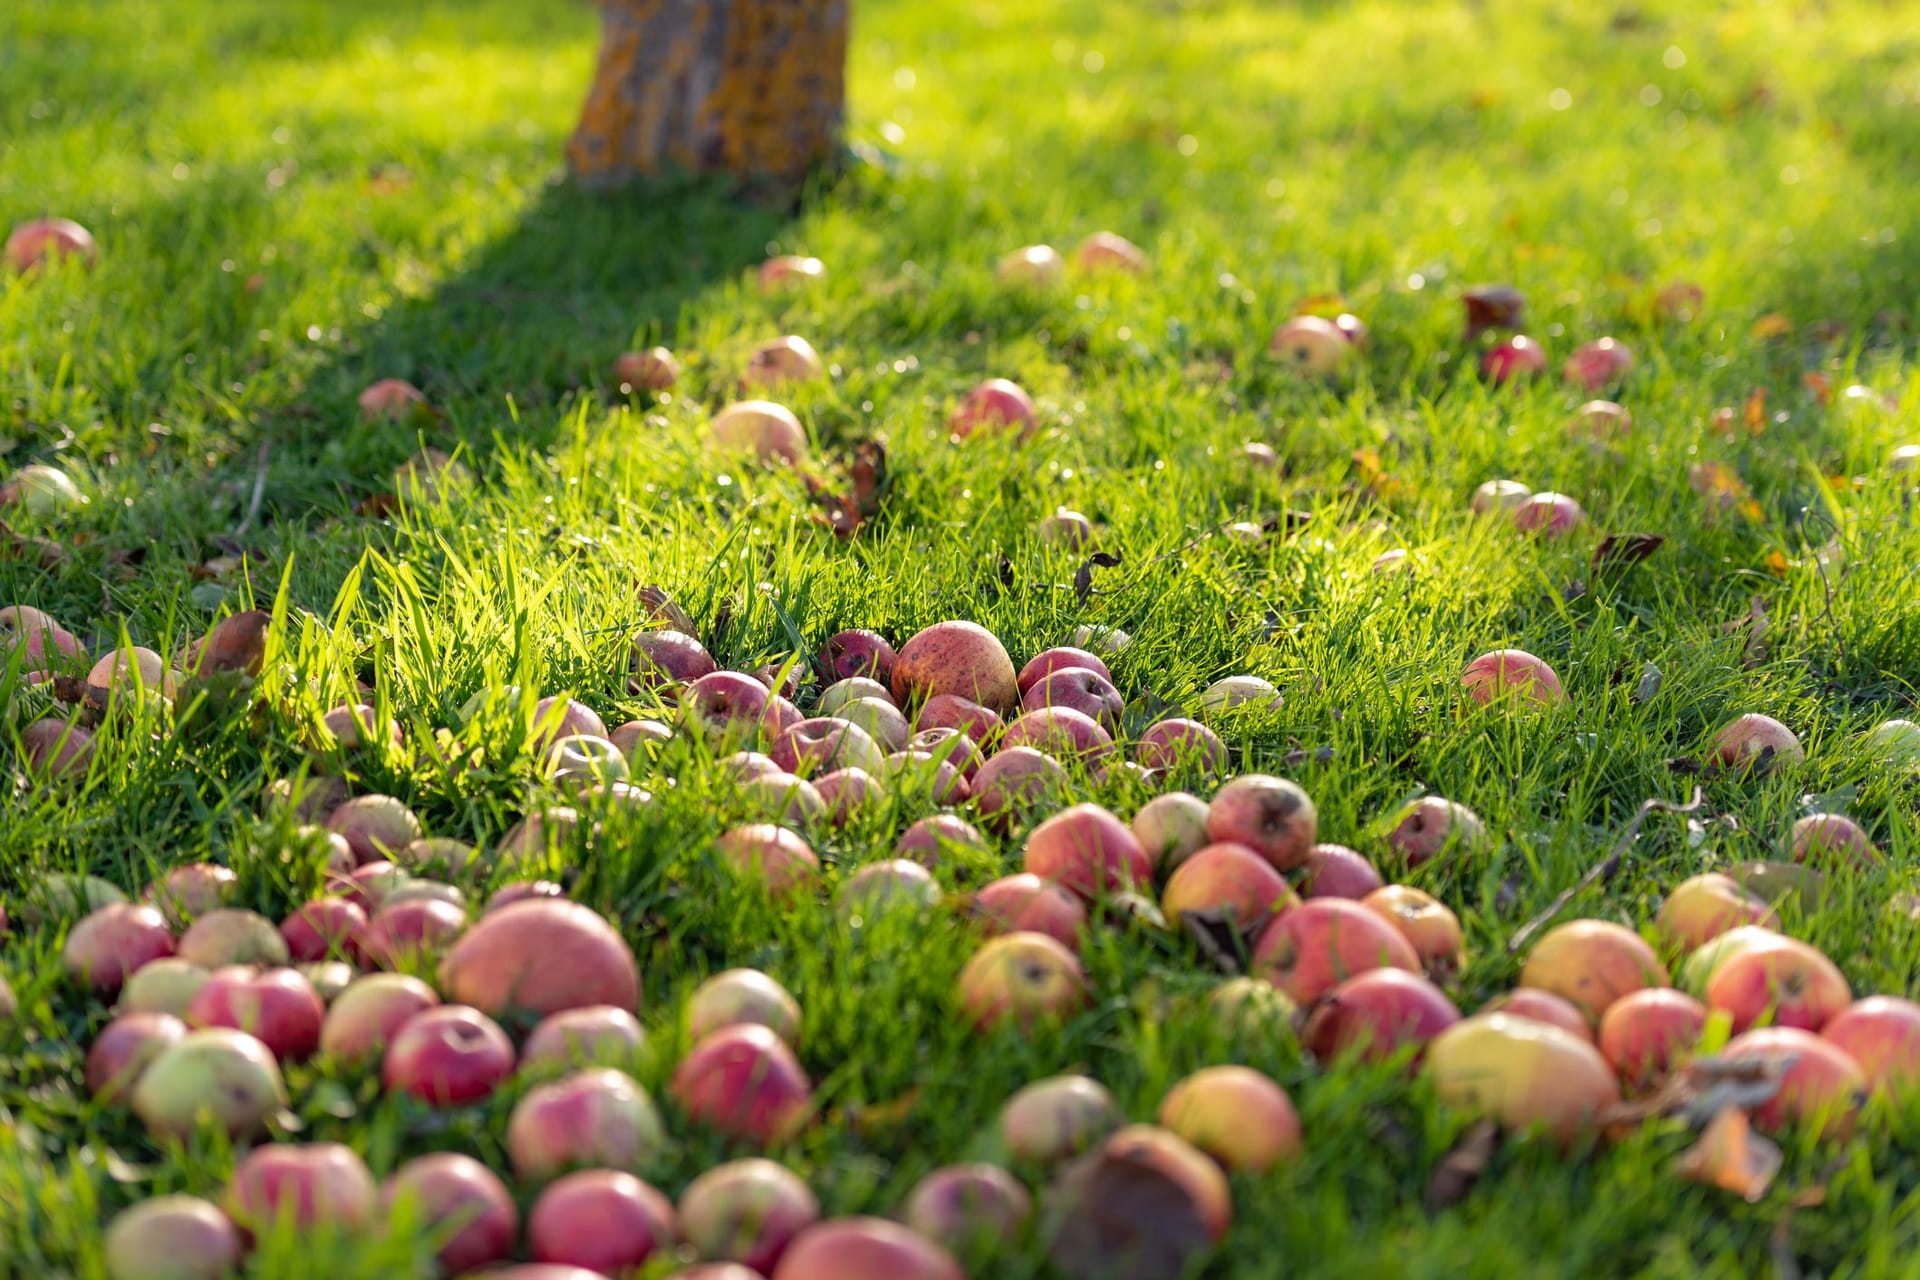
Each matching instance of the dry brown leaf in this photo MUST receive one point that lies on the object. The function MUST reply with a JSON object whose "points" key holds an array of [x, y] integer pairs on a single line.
{"points": [[1732, 1157], [1461, 1169]]}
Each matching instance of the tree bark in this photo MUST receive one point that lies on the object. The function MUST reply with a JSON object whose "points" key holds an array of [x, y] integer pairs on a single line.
{"points": [[755, 88]]}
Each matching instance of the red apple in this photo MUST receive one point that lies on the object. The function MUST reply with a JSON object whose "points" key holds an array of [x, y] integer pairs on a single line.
{"points": [[816, 746], [1705, 906], [1109, 251], [447, 1190], [391, 400], [880, 887], [966, 1206], [1089, 851], [993, 405], [1171, 828], [1376, 1014], [1065, 528], [1750, 741], [1522, 1073], [604, 1220], [1594, 366], [767, 430], [1023, 978], [1232, 882], [1822, 1085], [521, 891], [744, 1081], [1515, 360], [1321, 943], [783, 360], [865, 1249], [278, 1007], [599, 1034], [1051, 661], [1429, 825], [48, 239], [1170, 744], [1831, 838], [1236, 1115], [748, 1212], [598, 1116], [663, 659], [1272, 816], [772, 855], [172, 1238], [55, 749], [1511, 676], [1781, 982], [1335, 871], [1060, 732], [1054, 1119], [375, 827], [1310, 345], [125, 1048], [1551, 515], [1541, 1006], [365, 1017], [1017, 780], [725, 706], [107, 946], [958, 658], [654, 369], [539, 957], [1645, 1034], [946, 712], [1592, 963], [448, 1056], [790, 270], [321, 928], [1077, 689], [933, 839], [310, 1185], [1881, 1034], [1426, 922], [1026, 903], [408, 932], [858, 653], [188, 892]]}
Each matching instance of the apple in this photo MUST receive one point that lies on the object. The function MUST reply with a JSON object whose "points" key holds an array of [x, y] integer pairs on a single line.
{"points": [[1078, 689], [768, 431], [1240, 691], [1542, 1006], [1320, 943], [991, 406], [1335, 871], [1426, 922], [880, 887], [448, 1056], [309, 1185], [1060, 732], [56, 749], [368, 887], [125, 1048], [947, 711], [864, 1249], [1065, 528], [1236, 1115], [1088, 850], [407, 932], [747, 1211], [1017, 780], [49, 239], [1596, 365], [879, 719], [1052, 661], [1390, 561], [25, 628], [60, 897], [1831, 837], [539, 957], [724, 706], [1109, 251], [1601, 420], [744, 1081], [790, 270], [1037, 264], [952, 747], [935, 838], [1272, 816], [1252, 1007], [1680, 300], [641, 741], [1145, 1146], [967, 1206], [222, 1076], [857, 653], [187, 892], [851, 689], [1782, 982], [1822, 1086], [1026, 903], [1896, 742], [1752, 741], [364, 1018], [1376, 1014], [1551, 515], [108, 945], [1231, 881], [1707, 959], [1171, 828], [321, 928], [1023, 978], [172, 1238], [1882, 1035], [779, 361], [1592, 963], [131, 672], [1522, 1073], [1169, 744], [1499, 497], [375, 826], [1352, 328], [522, 890], [278, 1007], [1310, 345], [447, 1190], [816, 746], [604, 1220], [163, 986], [1427, 826], [1514, 360], [595, 1035], [1512, 676], [771, 855], [1055, 1119], [597, 1116], [391, 400], [1096, 1231], [1705, 906], [663, 659], [654, 369], [959, 658], [1645, 1034]]}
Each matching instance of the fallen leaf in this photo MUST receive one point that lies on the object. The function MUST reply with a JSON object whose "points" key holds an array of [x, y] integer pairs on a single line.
{"points": [[1492, 306], [1820, 385], [1461, 1169], [1771, 325], [1648, 685], [1754, 412], [1778, 564], [664, 608], [1618, 550], [1732, 1157], [1083, 576]]}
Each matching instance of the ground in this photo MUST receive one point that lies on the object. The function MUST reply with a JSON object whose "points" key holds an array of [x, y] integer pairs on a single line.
{"points": [[293, 200]]}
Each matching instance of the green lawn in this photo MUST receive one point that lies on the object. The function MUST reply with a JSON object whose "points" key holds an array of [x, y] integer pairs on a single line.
{"points": [[294, 199]]}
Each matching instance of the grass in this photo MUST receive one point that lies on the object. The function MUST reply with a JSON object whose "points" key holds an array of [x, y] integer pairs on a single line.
{"points": [[388, 178]]}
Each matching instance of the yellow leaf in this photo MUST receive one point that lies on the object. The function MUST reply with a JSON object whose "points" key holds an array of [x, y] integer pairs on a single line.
{"points": [[1772, 325], [1777, 564]]}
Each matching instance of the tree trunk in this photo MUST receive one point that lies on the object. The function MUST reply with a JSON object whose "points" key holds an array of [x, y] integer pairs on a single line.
{"points": [[749, 87]]}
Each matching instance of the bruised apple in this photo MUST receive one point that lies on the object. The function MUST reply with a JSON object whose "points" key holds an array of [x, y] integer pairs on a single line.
{"points": [[1021, 978], [1054, 1119], [1272, 816]]}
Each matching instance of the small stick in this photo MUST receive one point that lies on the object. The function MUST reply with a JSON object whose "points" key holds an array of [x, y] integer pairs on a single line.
{"points": [[1605, 869]]}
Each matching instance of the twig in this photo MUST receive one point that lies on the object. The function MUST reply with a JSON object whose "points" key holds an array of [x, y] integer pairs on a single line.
{"points": [[259, 492], [1605, 869]]}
